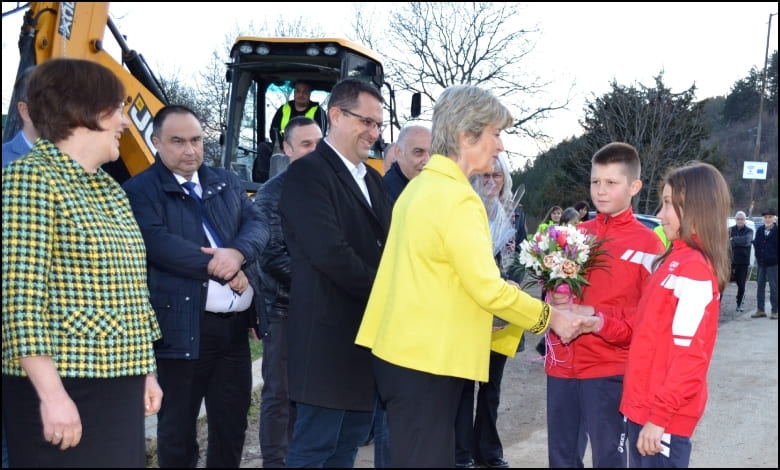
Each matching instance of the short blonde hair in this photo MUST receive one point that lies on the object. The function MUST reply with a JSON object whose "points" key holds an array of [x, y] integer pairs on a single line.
{"points": [[465, 108]]}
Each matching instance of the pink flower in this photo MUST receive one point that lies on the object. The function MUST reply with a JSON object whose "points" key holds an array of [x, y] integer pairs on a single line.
{"points": [[569, 268], [561, 239], [557, 256]]}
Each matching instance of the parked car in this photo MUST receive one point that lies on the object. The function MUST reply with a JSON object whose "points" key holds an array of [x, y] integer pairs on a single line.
{"points": [[650, 221]]}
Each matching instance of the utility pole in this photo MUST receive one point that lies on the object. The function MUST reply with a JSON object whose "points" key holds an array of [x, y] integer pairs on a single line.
{"points": [[760, 112]]}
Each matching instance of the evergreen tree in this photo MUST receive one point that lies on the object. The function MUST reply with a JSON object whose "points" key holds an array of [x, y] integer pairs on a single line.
{"points": [[743, 100]]}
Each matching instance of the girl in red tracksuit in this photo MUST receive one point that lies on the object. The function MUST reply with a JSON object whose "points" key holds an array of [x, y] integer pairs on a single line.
{"points": [[665, 384]]}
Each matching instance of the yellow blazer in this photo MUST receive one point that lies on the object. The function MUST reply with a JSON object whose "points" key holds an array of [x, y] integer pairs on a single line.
{"points": [[437, 288]]}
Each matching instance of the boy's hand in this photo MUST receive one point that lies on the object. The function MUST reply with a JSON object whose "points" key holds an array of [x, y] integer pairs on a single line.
{"points": [[591, 324]]}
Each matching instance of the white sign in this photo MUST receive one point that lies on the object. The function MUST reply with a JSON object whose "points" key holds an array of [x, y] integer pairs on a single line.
{"points": [[754, 171]]}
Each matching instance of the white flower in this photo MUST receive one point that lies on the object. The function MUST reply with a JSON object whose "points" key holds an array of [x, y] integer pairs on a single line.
{"points": [[556, 253]]}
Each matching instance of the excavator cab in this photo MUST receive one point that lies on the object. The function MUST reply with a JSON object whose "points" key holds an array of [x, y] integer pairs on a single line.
{"points": [[261, 74]]}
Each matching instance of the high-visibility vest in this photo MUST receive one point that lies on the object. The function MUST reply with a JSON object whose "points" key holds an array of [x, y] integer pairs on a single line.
{"points": [[287, 110]]}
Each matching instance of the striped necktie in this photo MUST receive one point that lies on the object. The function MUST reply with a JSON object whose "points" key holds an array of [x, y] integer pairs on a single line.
{"points": [[193, 194]]}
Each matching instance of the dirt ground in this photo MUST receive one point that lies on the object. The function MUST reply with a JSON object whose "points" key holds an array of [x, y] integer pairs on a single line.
{"points": [[739, 428]]}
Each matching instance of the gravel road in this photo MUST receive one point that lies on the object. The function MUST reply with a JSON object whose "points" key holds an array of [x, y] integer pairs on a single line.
{"points": [[738, 430]]}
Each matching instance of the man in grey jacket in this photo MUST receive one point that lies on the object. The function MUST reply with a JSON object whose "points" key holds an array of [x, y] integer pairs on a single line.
{"points": [[741, 237]]}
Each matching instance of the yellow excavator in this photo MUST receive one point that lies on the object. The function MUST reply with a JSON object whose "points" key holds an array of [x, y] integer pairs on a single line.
{"points": [[76, 29], [260, 75]]}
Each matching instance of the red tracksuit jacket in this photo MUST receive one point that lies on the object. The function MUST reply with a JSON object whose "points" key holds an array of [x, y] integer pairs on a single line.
{"points": [[674, 335], [614, 291]]}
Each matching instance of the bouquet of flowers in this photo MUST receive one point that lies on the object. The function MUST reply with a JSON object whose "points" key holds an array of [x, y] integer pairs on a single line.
{"points": [[558, 257]]}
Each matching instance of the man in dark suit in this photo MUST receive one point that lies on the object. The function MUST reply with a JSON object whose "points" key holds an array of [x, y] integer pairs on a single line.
{"points": [[765, 244], [203, 237], [335, 217], [23, 140], [412, 150]]}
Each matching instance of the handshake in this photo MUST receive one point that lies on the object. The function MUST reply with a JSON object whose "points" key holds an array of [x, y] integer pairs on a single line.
{"points": [[569, 320]]}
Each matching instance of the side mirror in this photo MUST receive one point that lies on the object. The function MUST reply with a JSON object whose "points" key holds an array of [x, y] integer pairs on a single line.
{"points": [[416, 104]]}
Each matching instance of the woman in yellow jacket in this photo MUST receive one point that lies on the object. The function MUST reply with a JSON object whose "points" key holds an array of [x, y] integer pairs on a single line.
{"points": [[429, 317]]}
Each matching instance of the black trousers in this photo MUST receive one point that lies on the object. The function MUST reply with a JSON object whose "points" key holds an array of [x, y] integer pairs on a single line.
{"points": [[223, 376], [740, 277], [277, 413], [421, 409], [112, 420], [476, 433]]}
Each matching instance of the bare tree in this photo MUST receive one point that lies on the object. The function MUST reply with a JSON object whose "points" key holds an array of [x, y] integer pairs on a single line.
{"points": [[213, 95], [429, 46]]}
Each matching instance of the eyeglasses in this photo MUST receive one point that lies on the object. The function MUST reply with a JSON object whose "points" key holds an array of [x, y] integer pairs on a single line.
{"points": [[368, 122], [495, 176]]}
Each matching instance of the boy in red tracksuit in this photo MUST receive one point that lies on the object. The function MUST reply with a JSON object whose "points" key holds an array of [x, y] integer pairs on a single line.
{"points": [[665, 386], [585, 377]]}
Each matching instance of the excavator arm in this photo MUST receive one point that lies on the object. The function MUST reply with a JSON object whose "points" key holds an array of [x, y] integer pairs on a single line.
{"points": [[76, 30]]}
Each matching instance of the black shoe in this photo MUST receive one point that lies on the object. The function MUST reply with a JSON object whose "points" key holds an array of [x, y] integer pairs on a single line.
{"points": [[467, 464], [541, 348], [496, 463]]}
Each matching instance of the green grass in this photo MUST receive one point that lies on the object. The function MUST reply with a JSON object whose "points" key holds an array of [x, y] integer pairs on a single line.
{"points": [[255, 347]]}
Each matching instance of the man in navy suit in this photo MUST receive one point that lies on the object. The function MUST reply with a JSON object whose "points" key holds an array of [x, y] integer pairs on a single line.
{"points": [[23, 140], [335, 218], [203, 237]]}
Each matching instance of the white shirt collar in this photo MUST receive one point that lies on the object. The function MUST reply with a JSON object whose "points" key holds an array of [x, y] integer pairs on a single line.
{"points": [[358, 171], [195, 179]]}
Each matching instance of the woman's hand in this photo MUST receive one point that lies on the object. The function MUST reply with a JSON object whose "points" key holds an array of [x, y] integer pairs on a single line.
{"points": [[565, 324], [59, 414], [61, 422], [152, 395]]}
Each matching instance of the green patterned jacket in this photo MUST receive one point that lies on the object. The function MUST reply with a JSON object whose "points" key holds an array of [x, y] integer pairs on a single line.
{"points": [[74, 270]]}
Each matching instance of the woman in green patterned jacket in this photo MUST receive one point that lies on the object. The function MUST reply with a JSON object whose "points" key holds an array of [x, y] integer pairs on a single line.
{"points": [[78, 328]]}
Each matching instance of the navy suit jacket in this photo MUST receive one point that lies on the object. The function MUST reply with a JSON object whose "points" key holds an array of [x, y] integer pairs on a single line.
{"points": [[172, 228]]}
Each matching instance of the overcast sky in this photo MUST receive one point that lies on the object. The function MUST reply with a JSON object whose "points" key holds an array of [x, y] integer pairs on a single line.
{"points": [[710, 44]]}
